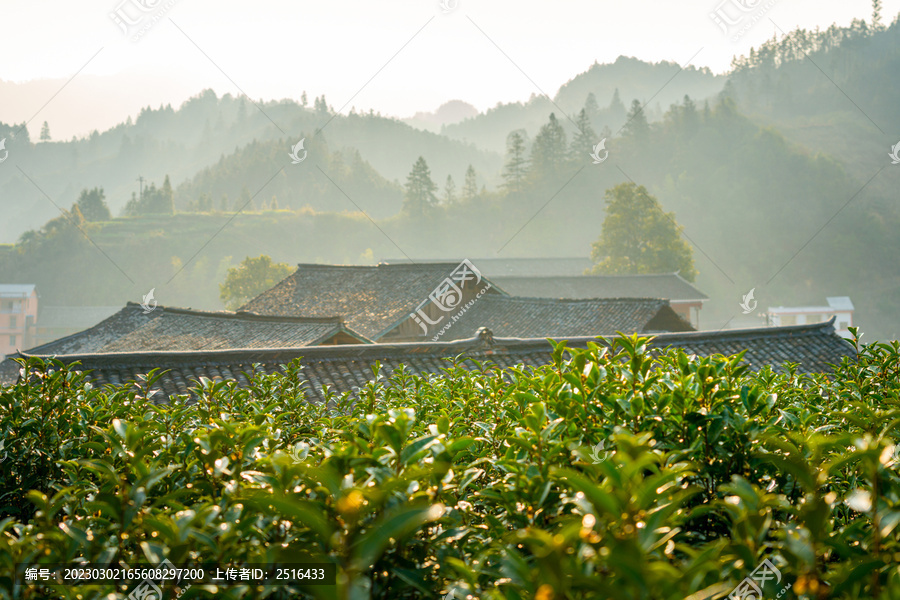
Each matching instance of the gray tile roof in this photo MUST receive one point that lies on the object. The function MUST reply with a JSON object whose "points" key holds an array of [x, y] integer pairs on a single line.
{"points": [[371, 299], [520, 317], [166, 328], [347, 368], [518, 267], [667, 285]]}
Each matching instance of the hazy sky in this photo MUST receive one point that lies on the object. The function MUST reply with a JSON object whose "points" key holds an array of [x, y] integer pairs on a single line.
{"points": [[278, 48]]}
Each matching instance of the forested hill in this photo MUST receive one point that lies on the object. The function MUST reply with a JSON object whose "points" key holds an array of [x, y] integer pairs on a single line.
{"points": [[180, 143], [750, 202], [835, 91], [605, 89], [262, 175], [782, 183]]}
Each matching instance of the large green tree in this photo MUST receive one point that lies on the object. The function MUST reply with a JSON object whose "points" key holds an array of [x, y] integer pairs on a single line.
{"points": [[638, 237], [420, 189], [92, 204], [251, 278]]}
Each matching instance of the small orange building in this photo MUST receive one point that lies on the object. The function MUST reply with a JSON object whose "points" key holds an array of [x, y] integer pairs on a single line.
{"points": [[18, 313]]}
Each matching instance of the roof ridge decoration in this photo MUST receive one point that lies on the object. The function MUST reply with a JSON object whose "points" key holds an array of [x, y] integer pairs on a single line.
{"points": [[485, 338], [546, 300]]}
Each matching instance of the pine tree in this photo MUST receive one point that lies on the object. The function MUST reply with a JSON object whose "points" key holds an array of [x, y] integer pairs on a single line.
{"points": [[470, 185], [638, 237], [548, 152], [636, 127], [166, 198], [689, 117], [591, 107], [516, 169], [584, 139], [450, 190], [877, 6], [420, 188], [320, 106], [303, 99], [616, 107], [45, 132]]}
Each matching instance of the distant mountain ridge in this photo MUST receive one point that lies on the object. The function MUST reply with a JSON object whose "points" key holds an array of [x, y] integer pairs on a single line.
{"points": [[657, 84], [447, 113]]}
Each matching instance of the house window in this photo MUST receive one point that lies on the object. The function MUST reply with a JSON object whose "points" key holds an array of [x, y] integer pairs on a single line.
{"points": [[12, 341], [12, 321], [813, 318], [788, 319], [843, 324]]}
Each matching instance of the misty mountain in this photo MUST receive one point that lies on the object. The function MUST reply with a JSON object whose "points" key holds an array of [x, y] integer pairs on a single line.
{"points": [[447, 113], [179, 143], [613, 86], [833, 91], [763, 209], [258, 173]]}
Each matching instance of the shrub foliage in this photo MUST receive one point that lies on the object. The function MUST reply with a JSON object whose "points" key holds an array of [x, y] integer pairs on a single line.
{"points": [[614, 472]]}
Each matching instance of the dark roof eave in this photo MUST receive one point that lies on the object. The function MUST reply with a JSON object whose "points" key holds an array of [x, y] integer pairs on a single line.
{"points": [[251, 355]]}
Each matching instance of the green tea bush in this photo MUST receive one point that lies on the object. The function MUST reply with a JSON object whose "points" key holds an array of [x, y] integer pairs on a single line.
{"points": [[614, 472]]}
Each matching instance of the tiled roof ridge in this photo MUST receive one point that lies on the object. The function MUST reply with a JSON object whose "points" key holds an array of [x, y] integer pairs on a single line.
{"points": [[545, 300], [253, 355], [245, 315], [483, 341], [661, 339], [132, 306], [782, 331], [381, 265], [676, 274]]}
